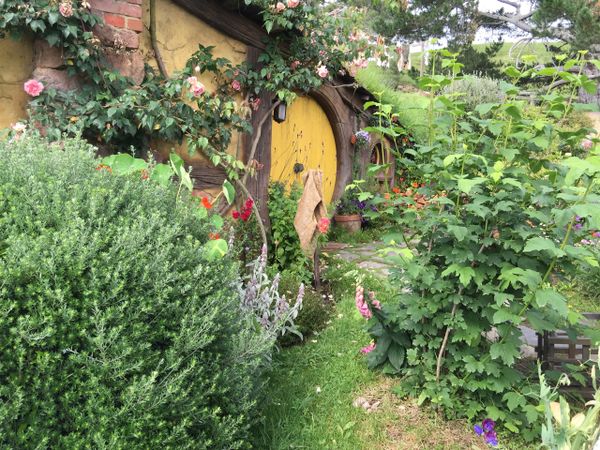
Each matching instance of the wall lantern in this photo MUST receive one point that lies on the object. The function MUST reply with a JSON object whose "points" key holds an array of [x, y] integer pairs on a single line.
{"points": [[280, 112]]}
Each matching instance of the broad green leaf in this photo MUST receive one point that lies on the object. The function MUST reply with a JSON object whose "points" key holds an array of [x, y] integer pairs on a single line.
{"points": [[228, 191], [161, 174], [216, 221], [396, 356], [460, 233], [465, 273], [466, 184], [553, 299], [184, 176], [505, 315], [216, 249], [539, 244]]}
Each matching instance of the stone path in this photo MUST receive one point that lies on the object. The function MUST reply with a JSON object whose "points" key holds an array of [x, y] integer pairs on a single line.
{"points": [[365, 256]]}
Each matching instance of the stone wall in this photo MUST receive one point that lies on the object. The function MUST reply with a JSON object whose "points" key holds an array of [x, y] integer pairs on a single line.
{"points": [[119, 35]]}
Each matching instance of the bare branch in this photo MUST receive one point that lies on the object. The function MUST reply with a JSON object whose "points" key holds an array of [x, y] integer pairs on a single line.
{"points": [[515, 5], [514, 20]]}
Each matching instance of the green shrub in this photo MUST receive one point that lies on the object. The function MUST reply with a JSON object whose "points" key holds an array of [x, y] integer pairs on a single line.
{"points": [[285, 252], [474, 90], [116, 330], [316, 309]]}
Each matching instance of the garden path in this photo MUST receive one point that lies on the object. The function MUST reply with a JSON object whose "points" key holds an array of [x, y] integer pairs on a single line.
{"points": [[366, 256]]}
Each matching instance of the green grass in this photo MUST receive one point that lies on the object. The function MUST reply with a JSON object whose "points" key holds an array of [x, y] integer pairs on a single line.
{"points": [[410, 106], [533, 48]]}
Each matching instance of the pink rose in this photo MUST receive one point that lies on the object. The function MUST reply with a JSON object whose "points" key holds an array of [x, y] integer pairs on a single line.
{"points": [[294, 65], [368, 349], [235, 85], [196, 88], [586, 144], [323, 225], [66, 9], [293, 3], [322, 71], [280, 7], [33, 87]]}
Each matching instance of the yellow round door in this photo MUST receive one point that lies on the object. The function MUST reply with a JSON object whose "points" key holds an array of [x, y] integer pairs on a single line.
{"points": [[303, 141]]}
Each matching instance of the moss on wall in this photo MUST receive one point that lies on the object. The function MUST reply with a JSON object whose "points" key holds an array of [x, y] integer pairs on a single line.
{"points": [[16, 65]]}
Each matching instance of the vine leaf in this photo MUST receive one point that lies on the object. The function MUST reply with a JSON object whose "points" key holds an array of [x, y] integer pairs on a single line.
{"points": [[539, 244]]}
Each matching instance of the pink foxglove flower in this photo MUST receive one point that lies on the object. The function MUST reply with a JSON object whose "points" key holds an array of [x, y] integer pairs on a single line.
{"points": [[586, 144], [66, 8], [293, 3], [322, 71], [368, 349], [280, 7], [33, 87], [235, 85], [361, 305]]}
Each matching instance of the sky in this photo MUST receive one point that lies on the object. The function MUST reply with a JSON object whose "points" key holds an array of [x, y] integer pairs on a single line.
{"points": [[492, 6]]}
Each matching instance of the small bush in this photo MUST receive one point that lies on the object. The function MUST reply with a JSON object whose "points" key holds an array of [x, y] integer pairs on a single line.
{"points": [[285, 252], [116, 330], [316, 309], [474, 90]]}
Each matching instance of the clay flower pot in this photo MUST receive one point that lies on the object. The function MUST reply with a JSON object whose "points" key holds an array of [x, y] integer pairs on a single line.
{"points": [[352, 223]]}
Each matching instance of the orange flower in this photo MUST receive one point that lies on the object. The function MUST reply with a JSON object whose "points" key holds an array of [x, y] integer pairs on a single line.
{"points": [[415, 184], [353, 139], [386, 195], [214, 236], [145, 174], [396, 190], [104, 167], [206, 203]]}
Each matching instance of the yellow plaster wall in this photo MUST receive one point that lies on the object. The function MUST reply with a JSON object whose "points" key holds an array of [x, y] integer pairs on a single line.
{"points": [[16, 65], [305, 137], [178, 36]]}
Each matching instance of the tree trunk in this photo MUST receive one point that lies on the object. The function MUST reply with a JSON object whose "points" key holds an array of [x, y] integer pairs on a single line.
{"points": [[591, 70]]}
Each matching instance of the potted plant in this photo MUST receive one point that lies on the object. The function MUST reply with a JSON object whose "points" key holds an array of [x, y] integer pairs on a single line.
{"points": [[347, 212]]}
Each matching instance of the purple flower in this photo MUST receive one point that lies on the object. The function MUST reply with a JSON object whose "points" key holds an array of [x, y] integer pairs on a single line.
{"points": [[491, 438], [478, 430], [363, 136], [488, 424]]}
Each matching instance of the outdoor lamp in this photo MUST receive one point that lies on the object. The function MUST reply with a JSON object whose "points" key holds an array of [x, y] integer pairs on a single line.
{"points": [[280, 112]]}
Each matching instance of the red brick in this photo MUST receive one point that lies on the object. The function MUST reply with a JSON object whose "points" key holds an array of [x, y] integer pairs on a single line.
{"points": [[117, 7], [134, 24], [115, 21]]}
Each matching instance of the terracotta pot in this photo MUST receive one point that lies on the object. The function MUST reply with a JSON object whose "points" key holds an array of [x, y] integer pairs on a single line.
{"points": [[351, 223]]}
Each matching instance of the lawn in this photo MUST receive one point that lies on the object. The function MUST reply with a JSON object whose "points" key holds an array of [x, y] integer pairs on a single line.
{"points": [[410, 105], [504, 56]]}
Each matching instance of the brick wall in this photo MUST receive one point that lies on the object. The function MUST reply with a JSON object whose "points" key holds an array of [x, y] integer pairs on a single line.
{"points": [[120, 36]]}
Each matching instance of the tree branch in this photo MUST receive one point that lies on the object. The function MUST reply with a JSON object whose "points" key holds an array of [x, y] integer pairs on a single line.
{"points": [[154, 41], [257, 136]]}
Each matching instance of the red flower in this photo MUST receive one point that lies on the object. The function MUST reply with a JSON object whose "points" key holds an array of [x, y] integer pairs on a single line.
{"points": [[396, 190], [214, 236], [235, 214], [206, 203], [145, 174]]}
